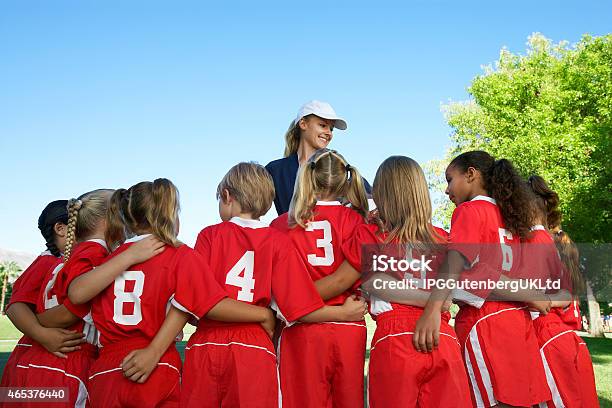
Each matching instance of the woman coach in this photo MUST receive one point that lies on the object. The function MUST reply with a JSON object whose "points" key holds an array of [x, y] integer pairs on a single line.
{"points": [[312, 129]]}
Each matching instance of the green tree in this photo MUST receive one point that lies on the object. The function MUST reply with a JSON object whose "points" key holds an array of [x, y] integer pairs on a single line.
{"points": [[9, 270], [549, 112]]}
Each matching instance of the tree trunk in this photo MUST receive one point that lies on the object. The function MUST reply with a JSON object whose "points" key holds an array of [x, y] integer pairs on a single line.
{"points": [[595, 326], [4, 284]]}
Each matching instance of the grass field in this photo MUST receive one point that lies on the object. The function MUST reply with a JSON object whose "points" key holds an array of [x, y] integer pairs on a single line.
{"points": [[601, 353]]}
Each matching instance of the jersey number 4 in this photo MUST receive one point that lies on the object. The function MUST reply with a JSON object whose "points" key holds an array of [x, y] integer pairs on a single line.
{"points": [[133, 297], [241, 275]]}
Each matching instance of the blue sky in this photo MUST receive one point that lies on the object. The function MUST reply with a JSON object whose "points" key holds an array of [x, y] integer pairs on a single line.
{"points": [[106, 94]]}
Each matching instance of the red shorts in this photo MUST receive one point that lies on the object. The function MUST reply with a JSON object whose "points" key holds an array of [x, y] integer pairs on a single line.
{"points": [[11, 376], [230, 365], [567, 363], [501, 355], [39, 368], [109, 388], [401, 376], [321, 364]]}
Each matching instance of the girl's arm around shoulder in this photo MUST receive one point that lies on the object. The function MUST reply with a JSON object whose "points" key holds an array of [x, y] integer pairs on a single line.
{"points": [[88, 285]]}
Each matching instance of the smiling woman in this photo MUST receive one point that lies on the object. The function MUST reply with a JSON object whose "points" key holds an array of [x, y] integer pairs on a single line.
{"points": [[312, 129]]}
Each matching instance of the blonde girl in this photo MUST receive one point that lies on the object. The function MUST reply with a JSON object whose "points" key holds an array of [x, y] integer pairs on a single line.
{"points": [[312, 129], [324, 360], [398, 374], [138, 358], [84, 250]]}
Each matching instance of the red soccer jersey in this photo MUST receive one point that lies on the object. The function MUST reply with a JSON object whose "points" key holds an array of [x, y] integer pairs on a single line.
{"points": [[257, 264], [27, 288], [136, 303], [367, 241], [540, 259], [85, 256], [478, 233], [320, 243]]}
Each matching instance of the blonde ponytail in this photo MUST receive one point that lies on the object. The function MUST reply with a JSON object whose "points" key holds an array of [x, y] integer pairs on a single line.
{"points": [[292, 138], [356, 193], [304, 196], [326, 173], [84, 215], [115, 225]]}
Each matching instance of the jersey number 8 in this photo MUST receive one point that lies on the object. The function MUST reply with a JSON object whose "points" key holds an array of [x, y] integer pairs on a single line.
{"points": [[122, 297]]}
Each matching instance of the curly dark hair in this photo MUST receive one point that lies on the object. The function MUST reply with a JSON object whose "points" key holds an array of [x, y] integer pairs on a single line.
{"points": [[548, 200], [505, 185]]}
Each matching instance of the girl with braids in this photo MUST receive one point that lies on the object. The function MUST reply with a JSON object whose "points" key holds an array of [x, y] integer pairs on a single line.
{"points": [[497, 338], [84, 250], [566, 359], [52, 225], [318, 224], [140, 305]]}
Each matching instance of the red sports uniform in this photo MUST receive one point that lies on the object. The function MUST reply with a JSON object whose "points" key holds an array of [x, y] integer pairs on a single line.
{"points": [[567, 362], [26, 290], [499, 369], [398, 374], [322, 363], [129, 313], [43, 369], [235, 364]]}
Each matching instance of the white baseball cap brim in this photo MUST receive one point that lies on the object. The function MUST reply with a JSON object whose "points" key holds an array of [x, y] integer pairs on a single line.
{"points": [[323, 110]]}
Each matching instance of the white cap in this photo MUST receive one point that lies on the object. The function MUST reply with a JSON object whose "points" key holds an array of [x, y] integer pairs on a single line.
{"points": [[323, 110]]}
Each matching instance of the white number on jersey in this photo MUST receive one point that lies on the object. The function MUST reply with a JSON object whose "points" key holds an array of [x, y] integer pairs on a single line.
{"points": [[325, 243], [506, 249], [51, 301], [122, 297], [241, 275]]}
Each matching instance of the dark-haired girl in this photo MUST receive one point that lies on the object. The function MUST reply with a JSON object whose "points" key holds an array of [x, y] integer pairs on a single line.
{"points": [[52, 224], [566, 359], [497, 338]]}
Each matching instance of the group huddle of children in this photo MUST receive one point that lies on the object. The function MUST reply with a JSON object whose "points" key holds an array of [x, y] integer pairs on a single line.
{"points": [[280, 308]]}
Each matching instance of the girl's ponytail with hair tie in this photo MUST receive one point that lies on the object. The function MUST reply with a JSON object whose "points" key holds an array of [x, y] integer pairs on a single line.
{"points": [[348, 167], [313, 165], [75, 203]]}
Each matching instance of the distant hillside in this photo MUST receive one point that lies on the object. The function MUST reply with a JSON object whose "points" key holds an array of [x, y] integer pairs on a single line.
{"points": [[23, 259]]}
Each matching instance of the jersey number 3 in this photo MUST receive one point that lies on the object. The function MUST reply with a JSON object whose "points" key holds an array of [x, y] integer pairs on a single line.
{"points": [[241, 275], [122, 297], [325, 243]]}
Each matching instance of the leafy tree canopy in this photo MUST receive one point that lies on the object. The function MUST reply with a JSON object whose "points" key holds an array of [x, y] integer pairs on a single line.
{"points": [[549, 112]]}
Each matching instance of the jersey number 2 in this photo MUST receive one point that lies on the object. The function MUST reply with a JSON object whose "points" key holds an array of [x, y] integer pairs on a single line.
{"points": [[246, 283], [122, 297]]}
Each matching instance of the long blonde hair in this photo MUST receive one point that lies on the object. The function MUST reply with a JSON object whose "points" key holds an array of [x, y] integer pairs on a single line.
{"points": [[146, 206], [326, 173], [402, 199], [84, 215], [292, 138]]}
